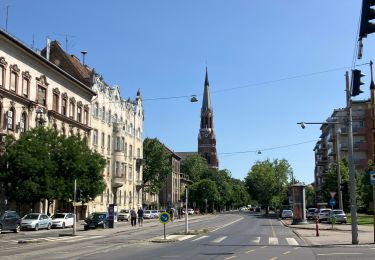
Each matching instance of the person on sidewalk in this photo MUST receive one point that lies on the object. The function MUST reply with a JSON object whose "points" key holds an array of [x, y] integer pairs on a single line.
{"points": [[140, 217], [171, 213], [133, 217]]}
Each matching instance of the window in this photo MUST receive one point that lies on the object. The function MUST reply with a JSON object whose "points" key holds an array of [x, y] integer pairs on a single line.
{"points": [[117, 169], [103, 137], [13, 81], [96, 109], [2, 77], [130, 173], [72, 108], [108, 166], [108, 142], [118, 144], [95, 137], [103, 114], [63, 131], [130, 151], [42, 96], [122, 144], [124, 170], [64, 106], [86, 116], [109, 117], [79, 114], [10, 119], [25, 87], [125, 149], [23, 122], [138, 153], [55, 102]]}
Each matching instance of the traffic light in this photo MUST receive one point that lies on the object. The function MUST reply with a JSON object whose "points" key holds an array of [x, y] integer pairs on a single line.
{"points": [[78, 195], [367, 15], [356, 82]]}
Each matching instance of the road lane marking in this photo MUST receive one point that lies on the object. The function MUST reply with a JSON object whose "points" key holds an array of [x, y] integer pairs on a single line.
{"points": [[231, 257], [340, 254], [287, 252], [273, 258], [199, 238], [273, 231], [291, 241], [256, 240], [247, 252], [223, 226], [273, 241], [263, 246], [219, 239], [296, 248]]}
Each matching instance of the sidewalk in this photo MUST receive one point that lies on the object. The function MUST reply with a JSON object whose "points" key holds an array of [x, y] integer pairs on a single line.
{"points": [[340, 235]]}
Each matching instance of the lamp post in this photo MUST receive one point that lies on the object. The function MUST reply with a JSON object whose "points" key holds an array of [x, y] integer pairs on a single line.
{"points": [[186, 211], [338, 132]]}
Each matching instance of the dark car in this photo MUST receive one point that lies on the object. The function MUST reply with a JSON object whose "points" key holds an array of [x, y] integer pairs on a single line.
{"points": [[10, 220], [95, 220]]}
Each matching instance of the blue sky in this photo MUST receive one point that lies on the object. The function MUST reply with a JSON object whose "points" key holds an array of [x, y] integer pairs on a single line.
{"points": [[162, 47]]}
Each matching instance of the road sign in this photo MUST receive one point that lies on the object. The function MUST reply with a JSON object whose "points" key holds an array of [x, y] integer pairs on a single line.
{"points": [[332, 202], [372, 177], [164, 217], [333, 194]]}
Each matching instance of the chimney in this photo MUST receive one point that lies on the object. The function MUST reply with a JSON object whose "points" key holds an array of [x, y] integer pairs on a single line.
{"points": [[48, 48], [83, 56]]}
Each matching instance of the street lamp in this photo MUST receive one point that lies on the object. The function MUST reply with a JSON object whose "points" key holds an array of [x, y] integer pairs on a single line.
{"points": [[186, 210], [338, 132]]}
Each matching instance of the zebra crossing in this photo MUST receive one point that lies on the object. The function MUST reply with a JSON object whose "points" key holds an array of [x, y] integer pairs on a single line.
{"points": [[63, 239], [272, 241]]}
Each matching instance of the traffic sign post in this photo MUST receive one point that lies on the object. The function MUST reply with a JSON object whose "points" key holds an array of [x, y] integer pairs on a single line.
{"points": [[164, 218], [332, 202], [372, 181]]}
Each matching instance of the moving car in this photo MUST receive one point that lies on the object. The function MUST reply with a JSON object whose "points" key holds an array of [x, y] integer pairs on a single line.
{"points": [[311, 213], [339, 215], [323, 214], [154, 213], [124, 214], [190, 211], [286, 213], [62, 220], [36, 221], [95, 220], [147, 214], [10, 220]]}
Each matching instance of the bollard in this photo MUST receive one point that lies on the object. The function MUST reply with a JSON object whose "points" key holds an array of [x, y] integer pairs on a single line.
{"points": [[317, 227]]}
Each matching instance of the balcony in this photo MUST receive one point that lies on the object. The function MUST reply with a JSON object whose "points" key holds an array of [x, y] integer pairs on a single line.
{"points": [[118, 181]]}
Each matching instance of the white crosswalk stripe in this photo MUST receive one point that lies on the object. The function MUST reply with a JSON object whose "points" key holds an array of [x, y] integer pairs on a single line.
{"points": [[199, 238], [273, 241], [219, 239], [255, 240], [56, 239], [291, 241]]}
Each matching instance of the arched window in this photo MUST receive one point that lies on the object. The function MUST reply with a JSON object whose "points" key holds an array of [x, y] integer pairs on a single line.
{"points": [[109, 117], [10, 118], [96, 109], [23, 122], [103, 114]]}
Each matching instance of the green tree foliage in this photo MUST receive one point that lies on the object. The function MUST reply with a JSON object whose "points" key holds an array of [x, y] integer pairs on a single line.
{"points": [[200, 191], [194, 166], [310, 196], [267, 181], [157, 165], [42, 165]]}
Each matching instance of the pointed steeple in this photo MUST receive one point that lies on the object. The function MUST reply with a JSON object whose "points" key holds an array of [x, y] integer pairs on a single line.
{"points": [[206, 104]]}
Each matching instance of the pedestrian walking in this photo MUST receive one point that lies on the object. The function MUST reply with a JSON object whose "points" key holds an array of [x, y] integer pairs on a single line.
{"points": [[140, 217], [171, 213], [133, 217]]}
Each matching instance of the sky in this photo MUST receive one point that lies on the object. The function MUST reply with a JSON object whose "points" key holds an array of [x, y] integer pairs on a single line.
{"points": [[270, 64]]}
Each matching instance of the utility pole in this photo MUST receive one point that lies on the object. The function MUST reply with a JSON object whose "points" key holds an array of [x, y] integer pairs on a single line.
{"points": [[338, 168], [186, 211], [352, 183]]}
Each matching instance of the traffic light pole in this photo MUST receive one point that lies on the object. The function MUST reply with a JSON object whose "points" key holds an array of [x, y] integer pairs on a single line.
{"points": [[353, 202]]}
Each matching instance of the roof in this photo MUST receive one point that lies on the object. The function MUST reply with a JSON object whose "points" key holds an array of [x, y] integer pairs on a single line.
{"points": [[45, 61], [206, 103], [171, 152], [184, 155]]}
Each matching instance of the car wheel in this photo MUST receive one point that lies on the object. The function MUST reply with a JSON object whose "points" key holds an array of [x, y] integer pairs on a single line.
{"points": [[49, 227], [36, 227], [63, 225], [18, 228], [86, 228]]}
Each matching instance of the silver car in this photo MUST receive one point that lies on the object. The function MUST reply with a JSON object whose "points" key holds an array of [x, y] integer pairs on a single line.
{"points": [[339, 215], [36, 221]]}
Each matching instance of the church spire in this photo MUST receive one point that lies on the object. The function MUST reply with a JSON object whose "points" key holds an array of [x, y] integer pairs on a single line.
{"points": [[206, 104]]}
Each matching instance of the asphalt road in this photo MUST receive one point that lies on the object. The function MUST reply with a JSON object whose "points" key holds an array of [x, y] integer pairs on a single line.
{"points": [[231, 236]]}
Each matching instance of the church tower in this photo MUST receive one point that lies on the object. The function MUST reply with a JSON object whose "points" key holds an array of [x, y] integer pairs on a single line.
{"points": [[206, 137]]}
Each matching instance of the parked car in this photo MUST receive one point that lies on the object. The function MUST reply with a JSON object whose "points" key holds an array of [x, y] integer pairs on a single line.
{"points": [[62, 220], [286, 213], [154, 213], [190, 211], [124, 214], [147, 214], [311, 213], [339, 215], [36, 221], [323, 214], [95, 220], [10, 220]]}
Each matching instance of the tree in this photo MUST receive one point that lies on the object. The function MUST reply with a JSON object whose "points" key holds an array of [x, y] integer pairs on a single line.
{"points": [[310, 196], [42, 165], [204, 190], [266, 182], [157, 165], [194, 166]]}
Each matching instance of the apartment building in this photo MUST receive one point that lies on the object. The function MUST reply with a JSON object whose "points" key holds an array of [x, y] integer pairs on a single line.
{"points": [[34, 91]]}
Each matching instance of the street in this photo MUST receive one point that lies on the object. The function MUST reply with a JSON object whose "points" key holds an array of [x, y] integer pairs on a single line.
{"points": [[230, 236]]}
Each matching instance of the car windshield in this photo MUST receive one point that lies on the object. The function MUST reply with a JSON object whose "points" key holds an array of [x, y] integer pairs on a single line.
{"points": [[154, 211], [338, 212], [147, 212], [31, 216], [124, 211], [287, 211], [97, 216], [58, 215], [326, 211], [312, 210]]}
